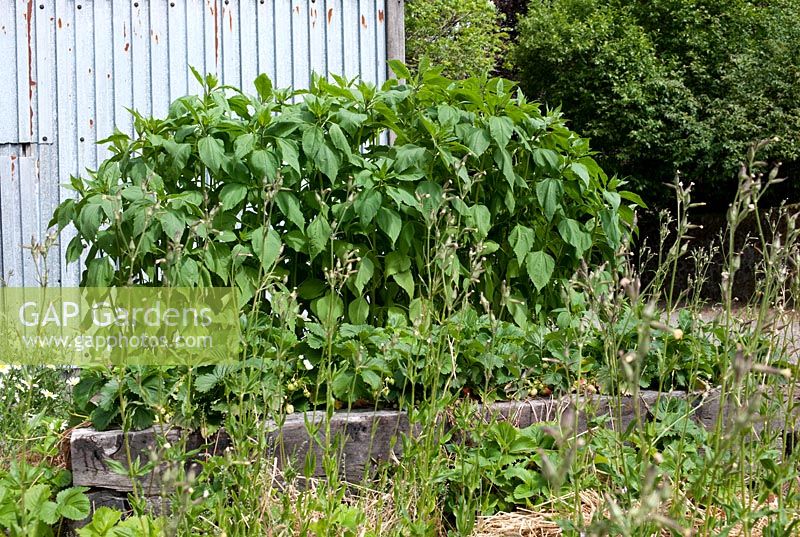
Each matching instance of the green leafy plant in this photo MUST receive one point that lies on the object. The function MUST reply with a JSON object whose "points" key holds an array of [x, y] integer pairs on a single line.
{"points": [[33, 499], [107, 522], [465, 38], [230, 187]]}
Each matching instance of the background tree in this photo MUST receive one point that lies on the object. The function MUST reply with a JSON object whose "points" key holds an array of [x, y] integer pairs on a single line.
{"points": [[464, 37], [669, 84]]}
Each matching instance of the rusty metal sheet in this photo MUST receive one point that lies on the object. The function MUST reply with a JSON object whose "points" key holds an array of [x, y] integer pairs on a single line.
{"points": [[73, 67]]}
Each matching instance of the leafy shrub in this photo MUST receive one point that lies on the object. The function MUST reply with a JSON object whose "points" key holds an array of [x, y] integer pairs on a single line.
{"points": [[464, 37], [667, 85], [479, 188]]}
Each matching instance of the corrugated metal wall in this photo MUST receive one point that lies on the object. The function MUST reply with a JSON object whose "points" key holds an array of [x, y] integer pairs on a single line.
{"points": [[70, 68]]}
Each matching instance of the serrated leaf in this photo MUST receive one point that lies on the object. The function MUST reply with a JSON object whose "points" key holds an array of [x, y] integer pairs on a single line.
{"points": [[367, 204], [482, 219], [263, 86], [396, 262], [339, 139], [212, 153], [582, 172], [74, 249], [263, 164], [390, 223], [521, 240], [540, 267], [266, 246], [172, 224], [371, 379], [609, 220], [365, 271], [547, 159], [549, 192], [289, 153], [407, 156], [406, 281], [403, 197], [342, 384], [290, 207], [73, 504], [503, 159], [321, 155], [99, 272], [501, 128], [180, 153], [358, 310], [399, 69], [231, 195], [329, 308], [478, 141], [311, 288], [35, 496], [318, 232], [244, 144], [573, 234]]}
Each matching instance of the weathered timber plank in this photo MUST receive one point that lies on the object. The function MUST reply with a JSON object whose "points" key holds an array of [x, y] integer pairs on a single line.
{"points": [[366, 439]]}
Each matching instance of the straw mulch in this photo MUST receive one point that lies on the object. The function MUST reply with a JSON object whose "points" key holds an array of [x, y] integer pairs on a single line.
{"points": [[526, 523]]}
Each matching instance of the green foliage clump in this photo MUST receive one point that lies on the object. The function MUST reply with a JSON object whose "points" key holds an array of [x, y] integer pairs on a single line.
{"points": [[464, 37], [667, 85], [479, 187], [34, 499]]}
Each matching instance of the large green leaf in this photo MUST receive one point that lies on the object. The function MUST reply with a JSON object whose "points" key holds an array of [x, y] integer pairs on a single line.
{"points": [[521, 240], [290, 207], [573, 234], [501, 128], [317, 149], [232, 195], [367, 204], [390, 223], [212, 152], [266, 246], [73, 504], [540, 267], [364, 274], [549, 192], [319, 233]]}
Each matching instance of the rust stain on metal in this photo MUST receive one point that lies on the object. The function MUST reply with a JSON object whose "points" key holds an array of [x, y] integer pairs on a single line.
{"points": [[124, 30], [230, 20], [31, 82], [297, 9], [380, 15], [363, 21], [13, 164], [127, 46], [60, 24], [91, 123], [313, 17], [214, 11], [330, 14], [155, 37]]}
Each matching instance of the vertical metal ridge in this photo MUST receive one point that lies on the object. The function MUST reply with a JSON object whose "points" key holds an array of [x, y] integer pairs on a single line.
{"points": [[71, 73]]}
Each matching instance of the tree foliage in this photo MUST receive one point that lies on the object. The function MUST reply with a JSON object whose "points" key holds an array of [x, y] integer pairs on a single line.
{"points": [[668, 84], [464, 37]]}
